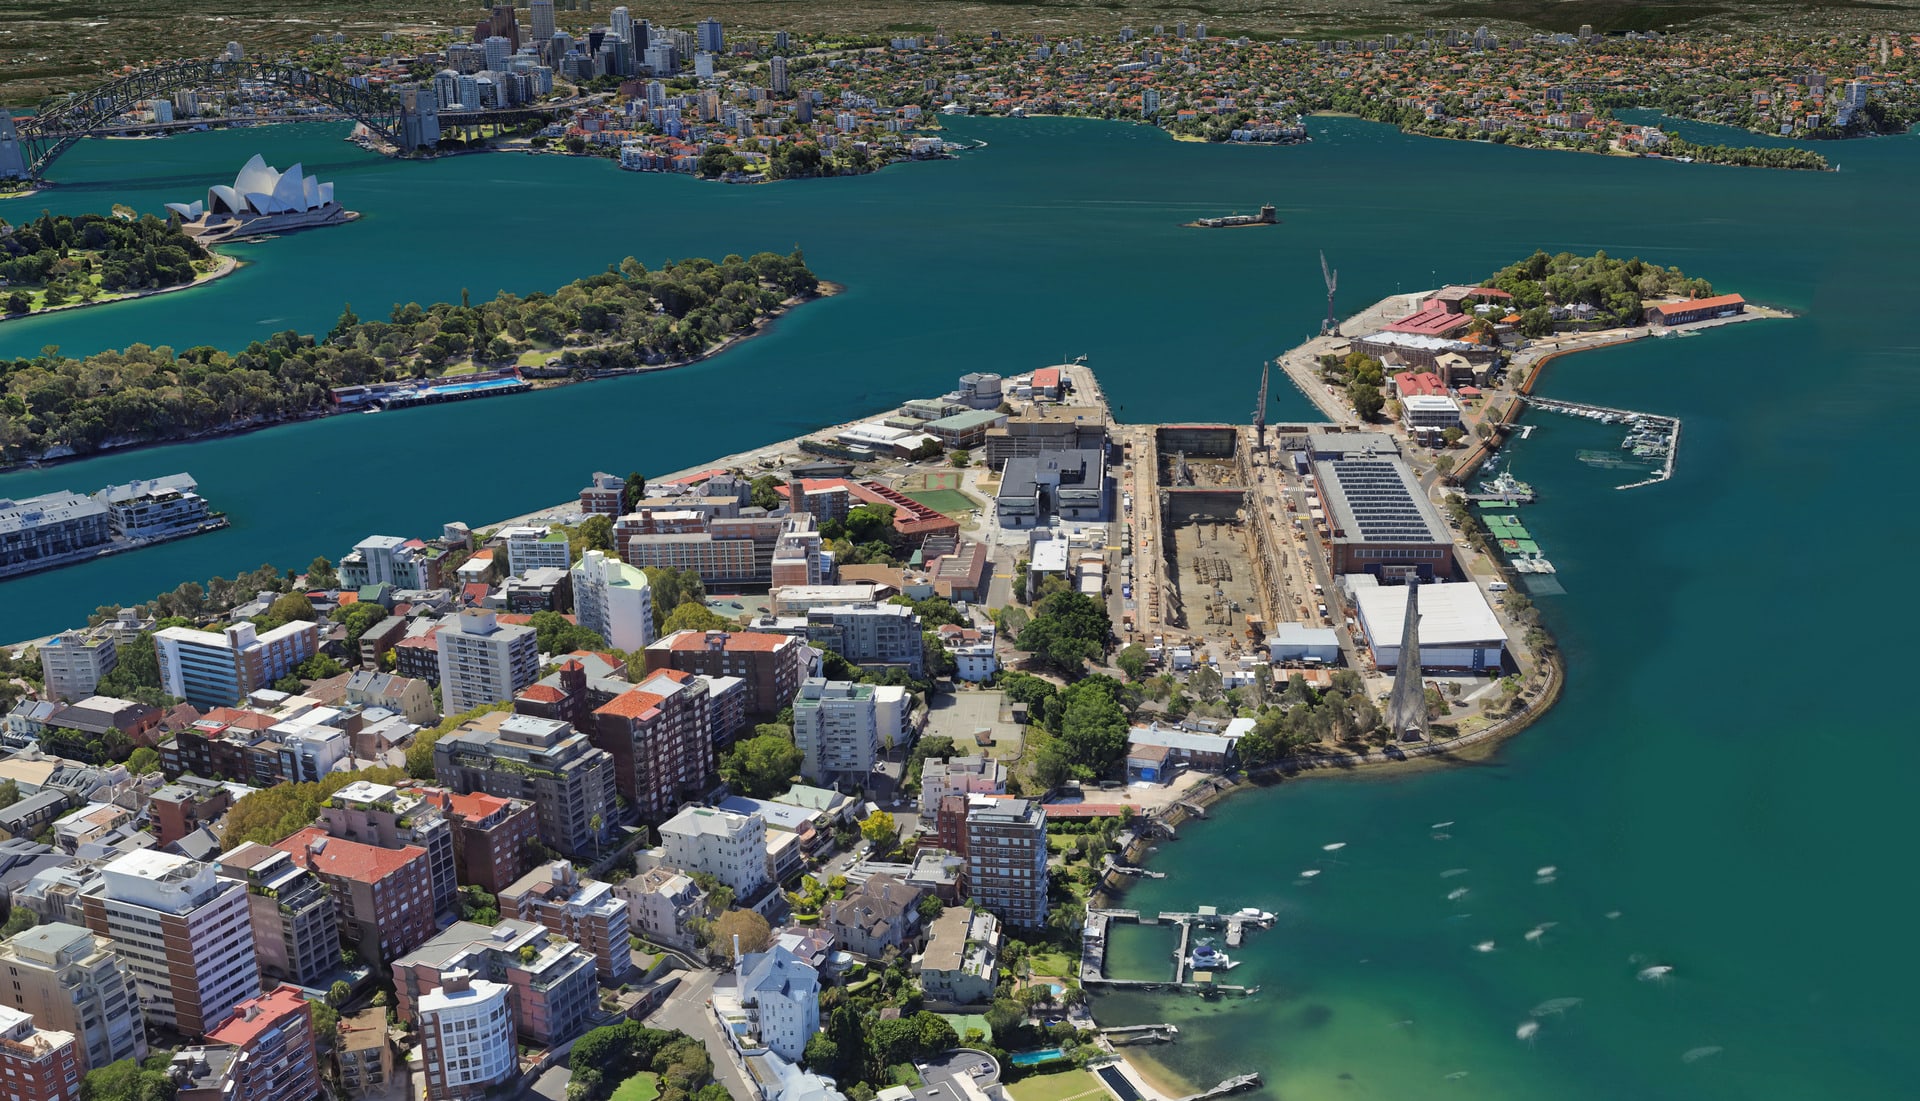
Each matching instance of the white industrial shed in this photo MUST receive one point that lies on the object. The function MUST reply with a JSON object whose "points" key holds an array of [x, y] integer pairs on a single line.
{"points": [[1458, 629], [1303, 642]]}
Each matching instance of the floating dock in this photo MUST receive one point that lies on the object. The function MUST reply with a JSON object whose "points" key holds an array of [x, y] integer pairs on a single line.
{"points": [[1093, 948], [1652, 437]]}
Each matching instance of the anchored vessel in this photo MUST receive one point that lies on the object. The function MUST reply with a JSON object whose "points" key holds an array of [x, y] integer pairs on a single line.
{"points": [[1266, 217]]}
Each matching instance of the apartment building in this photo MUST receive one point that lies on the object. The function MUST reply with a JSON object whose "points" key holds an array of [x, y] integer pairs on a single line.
{"points": [[546, 762], [383, 897], [212, 668], [771, 665], [605, 495], [961, 965], [482, 660], [392, 818], [730, 847], [661, 903], [584, 911], [364, 1054], [660, 735], [408, 696], [38, 1064], [531, 547], [835, 726], [74, 662], [276, 1052], [781, 996], [48, 528], [1006, 858], [467, 1044], [392, 560], [870, 635], [183, 932], [492, 836], [959, 776], [553, 994], [70, 980], [296, 927], [614, 599]]}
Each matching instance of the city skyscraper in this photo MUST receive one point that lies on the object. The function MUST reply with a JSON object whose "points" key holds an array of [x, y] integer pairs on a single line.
{"points": [[542, 20], [499, 48], [620, 21], [777, 76], [711, 38]]}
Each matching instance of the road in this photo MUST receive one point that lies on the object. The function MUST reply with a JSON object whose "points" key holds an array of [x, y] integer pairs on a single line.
{"points": [[688, 1011]]}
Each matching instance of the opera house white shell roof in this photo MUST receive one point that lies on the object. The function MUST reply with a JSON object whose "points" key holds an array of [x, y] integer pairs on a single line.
{"points": [[259, 189]]}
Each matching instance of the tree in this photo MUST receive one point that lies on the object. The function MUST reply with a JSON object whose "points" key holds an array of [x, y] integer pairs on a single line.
{"points": [[339, 992], [126, 1080], [1093, 727], [1206, 683], [1367, 399], [752, 929], [671, 588], [766, 492], [693, 617], [18, 921], [269, 814], [9, 793], [961, 457], [1068, 630], [320, 573], [141, 762], [554, 634], [764, 765], [879, 828], [633, 492], [1132, 661], [931, 908]]}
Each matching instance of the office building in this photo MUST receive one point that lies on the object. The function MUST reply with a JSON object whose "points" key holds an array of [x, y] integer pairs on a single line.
{"points": [[781, 996], [732, 848], [383, 897], [872, 636], [50, 528], [71, 980], [1006, 858], [39, 1064], [276, 1052], [1071, 485], [215, 668], [543, 761], [834, 725], [771, 665], [542, 17], [584, 911], [711, 39], [660, 736], [74, 662], [296, 927], [551, 979], [482, 660], [183, 931], [613, 599]]}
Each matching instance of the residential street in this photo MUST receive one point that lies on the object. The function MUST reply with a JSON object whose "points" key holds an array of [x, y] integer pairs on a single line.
{"points": [[686, 1009]]}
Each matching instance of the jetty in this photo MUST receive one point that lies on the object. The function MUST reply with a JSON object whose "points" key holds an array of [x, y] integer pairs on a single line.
{"points": [[1651, 435], [1093, 947], [1239, 1083]]}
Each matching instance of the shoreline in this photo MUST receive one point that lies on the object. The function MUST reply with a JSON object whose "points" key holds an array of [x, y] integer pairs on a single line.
{"points": [[224, 266], [827, 289]]}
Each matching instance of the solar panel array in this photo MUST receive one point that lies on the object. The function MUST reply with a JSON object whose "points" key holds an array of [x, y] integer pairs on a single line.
{"points": [[1381, 501]]}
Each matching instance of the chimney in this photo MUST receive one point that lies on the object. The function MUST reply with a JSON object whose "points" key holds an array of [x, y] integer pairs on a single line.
{"points": [[736, 949]]}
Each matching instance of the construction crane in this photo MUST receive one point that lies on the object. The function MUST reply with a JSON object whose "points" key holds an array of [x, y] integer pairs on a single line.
{"points": [[1260, 410], [1330, 326]]}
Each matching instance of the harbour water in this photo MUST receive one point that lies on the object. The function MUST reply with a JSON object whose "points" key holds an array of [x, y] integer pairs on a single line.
{"points": [[1723, 788]]}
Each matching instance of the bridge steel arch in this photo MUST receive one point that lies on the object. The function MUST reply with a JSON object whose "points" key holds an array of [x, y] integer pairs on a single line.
{"points": [[59, 126]]}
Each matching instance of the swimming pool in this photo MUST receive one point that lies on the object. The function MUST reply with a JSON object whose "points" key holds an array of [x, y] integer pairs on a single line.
{"points": [[1034, 1058]]}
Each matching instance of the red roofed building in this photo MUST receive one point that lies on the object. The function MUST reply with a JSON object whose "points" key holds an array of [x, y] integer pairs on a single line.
{"points": [[1046, 382], [772, 665], [384, 896], [1432, 319], [276, 1054], [660, 736], [1696, 309], [910, 518], [419, 656], [40, 1064], [1407, 384], [491, 836]]}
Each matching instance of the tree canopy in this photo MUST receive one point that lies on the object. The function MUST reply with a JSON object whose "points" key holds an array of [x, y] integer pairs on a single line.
{"points": [[1068, 630], [270, 814], [764, 765]]}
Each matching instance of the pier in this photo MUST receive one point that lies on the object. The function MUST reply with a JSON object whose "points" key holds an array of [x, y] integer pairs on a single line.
{"points": [[1237, 1084], [1093, 947]]}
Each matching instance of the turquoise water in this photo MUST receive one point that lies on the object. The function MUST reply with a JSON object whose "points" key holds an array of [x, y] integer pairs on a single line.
{"points": [[1728, 772], [1035, 1058]]}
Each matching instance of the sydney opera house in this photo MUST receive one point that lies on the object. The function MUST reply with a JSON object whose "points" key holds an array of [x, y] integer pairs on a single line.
{"points": [[261, 200]]}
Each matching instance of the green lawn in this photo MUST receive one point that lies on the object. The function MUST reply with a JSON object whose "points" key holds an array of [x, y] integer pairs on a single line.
{"points": [[1071, 1085], [950, 502], [1050, 960], [961, 1022], [644, 1086]]}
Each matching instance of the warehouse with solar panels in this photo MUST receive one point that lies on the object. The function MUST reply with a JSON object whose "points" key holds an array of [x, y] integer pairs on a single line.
{"points": [[1378, 520]]}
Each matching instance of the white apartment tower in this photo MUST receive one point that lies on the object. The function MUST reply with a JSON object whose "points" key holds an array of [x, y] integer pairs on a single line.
{"points": [[182, 931], [466, 1036], [730, 847], [836, 727], [483, 661], [614, 599], [782, 998]]}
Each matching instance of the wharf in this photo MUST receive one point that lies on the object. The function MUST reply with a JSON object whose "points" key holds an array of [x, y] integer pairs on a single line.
{"points": [[1093, 947], [1660, 435], [1237, 1084]]}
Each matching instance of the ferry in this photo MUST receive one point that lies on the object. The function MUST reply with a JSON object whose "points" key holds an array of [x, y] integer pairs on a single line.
{"points": [[1267, 217]]}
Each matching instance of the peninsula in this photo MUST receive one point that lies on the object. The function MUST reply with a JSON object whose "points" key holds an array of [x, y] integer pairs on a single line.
{"points": [[625, 320], [54, 263]]}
